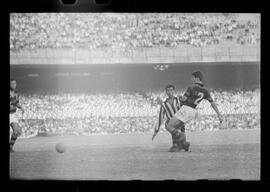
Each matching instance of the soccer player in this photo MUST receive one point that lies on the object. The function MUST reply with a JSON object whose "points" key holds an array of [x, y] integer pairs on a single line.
{"points": [[13, 121], [191, 98], [167, 110]]}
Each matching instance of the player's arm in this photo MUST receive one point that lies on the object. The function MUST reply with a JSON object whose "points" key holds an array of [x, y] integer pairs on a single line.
{"points": [[160, 121], [19, 106], [160, 118], [214, 106], [185, 96], [182, 98]]}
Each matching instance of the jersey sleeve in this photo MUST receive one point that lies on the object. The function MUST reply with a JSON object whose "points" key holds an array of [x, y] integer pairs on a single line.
{"points": [[161, 117], [17, 99], [178, 103], [207, 96], [188, 92]]}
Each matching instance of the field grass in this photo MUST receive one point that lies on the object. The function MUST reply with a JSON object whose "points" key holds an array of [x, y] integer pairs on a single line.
{"points": [[218, 155]]}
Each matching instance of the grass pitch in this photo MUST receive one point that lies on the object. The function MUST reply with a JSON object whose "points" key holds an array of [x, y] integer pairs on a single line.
{"points": [[217, 155]]}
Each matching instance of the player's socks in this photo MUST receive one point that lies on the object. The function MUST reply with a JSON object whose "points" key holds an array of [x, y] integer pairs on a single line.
{"points": [[186, 146], [12, 142], [176, 142], [176, 134], [174, 148], [182, 138]]}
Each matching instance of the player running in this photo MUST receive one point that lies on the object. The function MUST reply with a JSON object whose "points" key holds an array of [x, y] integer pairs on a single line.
{"points": [[13, 121], [167, 110], [192, 97]]}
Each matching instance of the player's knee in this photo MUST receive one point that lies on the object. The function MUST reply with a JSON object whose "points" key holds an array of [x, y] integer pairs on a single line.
{"points": [[176, 134], [171, 124], [19, 132], [180, 125], [182, 137], [16, 129], [182, 128]]}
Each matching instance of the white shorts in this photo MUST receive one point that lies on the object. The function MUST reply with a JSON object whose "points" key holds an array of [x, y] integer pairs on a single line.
{"points": [[13, 118], [186, 113]]}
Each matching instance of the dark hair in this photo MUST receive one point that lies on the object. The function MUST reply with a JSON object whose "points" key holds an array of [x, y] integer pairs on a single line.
{"points": [[198, 74], [12, 79], [170, 86]]}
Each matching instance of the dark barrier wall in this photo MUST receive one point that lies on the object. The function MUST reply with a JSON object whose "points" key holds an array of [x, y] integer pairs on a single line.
{"points": [[119, 77]]}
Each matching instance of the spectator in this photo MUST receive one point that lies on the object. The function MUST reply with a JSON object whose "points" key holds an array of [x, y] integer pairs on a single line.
{"points": [[130, 31], [127, 112]]}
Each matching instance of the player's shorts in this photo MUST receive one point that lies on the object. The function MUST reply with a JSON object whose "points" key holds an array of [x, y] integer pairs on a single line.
{"points": [[13, 118], [186, 113]]}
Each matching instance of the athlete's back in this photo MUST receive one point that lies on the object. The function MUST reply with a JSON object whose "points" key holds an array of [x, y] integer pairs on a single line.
{"points": [[195, 94], [14, 100]]}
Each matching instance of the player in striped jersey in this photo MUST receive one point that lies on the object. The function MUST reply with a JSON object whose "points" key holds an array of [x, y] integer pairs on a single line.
{"points": [[167, 110], [13, 121]]}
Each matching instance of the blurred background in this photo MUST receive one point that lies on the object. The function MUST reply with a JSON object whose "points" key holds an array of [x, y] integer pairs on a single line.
{"points": [[100, 73]]}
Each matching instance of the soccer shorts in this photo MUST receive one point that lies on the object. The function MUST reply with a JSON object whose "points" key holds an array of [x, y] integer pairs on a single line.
{"points": [[186, 113], [13, 118]]}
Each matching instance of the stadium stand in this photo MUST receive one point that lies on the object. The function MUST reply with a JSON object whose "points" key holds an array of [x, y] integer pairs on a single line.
{"points": [[130, 31], [126, 113], [64, 113]]}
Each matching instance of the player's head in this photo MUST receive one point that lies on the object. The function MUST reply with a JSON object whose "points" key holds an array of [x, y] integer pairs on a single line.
{"points": [[170, 90], [13, 84], [197, 77]]}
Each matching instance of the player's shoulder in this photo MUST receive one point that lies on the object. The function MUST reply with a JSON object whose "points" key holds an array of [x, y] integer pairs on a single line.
{"points": [[191, 87], [162, 101], [195, 87], [16, 93], [165, 100], [200, 88], [205, 88], [206, 91]]}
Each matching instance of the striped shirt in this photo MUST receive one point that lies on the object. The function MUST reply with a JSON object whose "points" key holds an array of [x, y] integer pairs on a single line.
{"points": [[168, 110]]}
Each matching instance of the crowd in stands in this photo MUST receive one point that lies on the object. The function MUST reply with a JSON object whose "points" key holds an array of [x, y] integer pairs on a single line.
{"points": [[126, 30], [128, 112]]}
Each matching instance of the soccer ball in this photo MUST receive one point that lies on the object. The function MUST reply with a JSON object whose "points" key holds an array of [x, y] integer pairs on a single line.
{"points": [[60, 147]]}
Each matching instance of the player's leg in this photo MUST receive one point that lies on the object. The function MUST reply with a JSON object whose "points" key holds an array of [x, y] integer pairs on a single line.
{"points": [[183, 141], [175, 142], [172, 127], [16, 132], [184, 115]]}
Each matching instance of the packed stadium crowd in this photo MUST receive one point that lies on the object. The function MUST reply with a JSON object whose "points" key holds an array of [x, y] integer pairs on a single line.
{"points": [[128, 112], [126, 31]]}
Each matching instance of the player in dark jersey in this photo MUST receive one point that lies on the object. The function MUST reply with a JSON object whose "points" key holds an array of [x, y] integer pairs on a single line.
{"points": [[13, 121], [192, 97]]}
